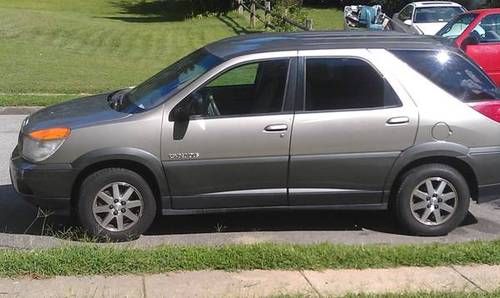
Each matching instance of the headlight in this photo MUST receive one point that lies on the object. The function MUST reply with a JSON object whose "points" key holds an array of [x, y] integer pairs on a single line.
{"points": [[41, 144]]}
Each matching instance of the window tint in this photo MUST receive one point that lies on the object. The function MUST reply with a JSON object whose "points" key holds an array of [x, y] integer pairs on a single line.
{"points": [[489, 29], [244, 75], [345, 83], [255, 88], [451, 72]]}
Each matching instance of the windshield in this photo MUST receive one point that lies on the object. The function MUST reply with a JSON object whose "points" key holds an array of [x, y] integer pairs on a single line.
{"points": [[456, 27], [169, 81], [436, 14]]}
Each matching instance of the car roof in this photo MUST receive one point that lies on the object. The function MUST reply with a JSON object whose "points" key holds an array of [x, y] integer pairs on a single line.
{"points": [[316, 40], [486, 11], [435, 4]]}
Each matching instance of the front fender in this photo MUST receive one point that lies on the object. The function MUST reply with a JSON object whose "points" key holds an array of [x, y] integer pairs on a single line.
{"points": [[140, 156]]}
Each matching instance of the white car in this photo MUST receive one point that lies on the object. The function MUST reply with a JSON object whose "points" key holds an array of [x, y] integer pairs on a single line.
{"points": [[427, 17]]}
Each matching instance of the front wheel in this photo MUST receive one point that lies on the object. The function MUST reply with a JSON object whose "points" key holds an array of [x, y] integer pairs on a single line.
{"points": [[432, 200], [116, 204]]}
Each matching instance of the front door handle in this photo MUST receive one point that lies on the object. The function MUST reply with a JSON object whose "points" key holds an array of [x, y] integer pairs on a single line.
{"points": [[276, 127], [398, 120]]}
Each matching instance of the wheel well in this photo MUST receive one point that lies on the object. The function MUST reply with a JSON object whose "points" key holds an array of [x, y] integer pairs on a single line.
{"points": [[134, 166], [453, 162]]}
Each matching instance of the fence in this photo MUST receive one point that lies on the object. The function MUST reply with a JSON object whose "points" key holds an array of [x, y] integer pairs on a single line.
{"points": [[251, 7]]}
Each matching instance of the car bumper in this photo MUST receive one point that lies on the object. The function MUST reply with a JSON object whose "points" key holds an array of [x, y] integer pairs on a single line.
{"points": [[46, 186], [486, 165]]}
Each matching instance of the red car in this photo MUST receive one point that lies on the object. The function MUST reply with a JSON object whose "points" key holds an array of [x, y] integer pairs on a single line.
{"points": [[477, 33]]}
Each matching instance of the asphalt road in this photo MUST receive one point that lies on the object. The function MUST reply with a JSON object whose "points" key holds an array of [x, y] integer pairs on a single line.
{"points": [[20, 227]]}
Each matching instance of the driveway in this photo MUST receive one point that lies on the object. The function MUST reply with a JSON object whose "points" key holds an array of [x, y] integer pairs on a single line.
{"points": [[20, 227]]}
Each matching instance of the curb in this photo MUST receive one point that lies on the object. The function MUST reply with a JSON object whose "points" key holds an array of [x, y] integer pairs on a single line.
{"points": [[21, 110], [479, 279]]}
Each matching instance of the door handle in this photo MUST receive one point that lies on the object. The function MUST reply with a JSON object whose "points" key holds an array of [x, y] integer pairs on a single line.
{"points": [[398, 120], [276, 127]]}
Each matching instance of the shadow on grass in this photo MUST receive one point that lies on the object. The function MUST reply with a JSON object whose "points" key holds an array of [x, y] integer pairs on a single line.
{"points": [[172, 11], [162, 10], [234, 25]]}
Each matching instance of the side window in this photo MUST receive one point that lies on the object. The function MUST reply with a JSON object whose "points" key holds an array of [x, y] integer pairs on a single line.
{"points": [[254, 88], [451, 72], [244, 75], [406, 13], [345, 83], [489, 29]]}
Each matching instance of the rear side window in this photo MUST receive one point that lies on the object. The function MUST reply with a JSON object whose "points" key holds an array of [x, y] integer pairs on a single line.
{"points": [[345, 83], [452, 72], [489, 29]]}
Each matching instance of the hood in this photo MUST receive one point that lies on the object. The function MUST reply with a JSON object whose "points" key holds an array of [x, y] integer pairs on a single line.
{"points": [[75, 113], [429, 28]]}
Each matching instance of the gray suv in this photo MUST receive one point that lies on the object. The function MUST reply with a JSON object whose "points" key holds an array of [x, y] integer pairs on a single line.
{"points": [[274, 121]]}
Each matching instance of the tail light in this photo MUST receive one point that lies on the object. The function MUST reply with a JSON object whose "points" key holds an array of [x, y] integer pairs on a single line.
{"points": [[490, 108]]}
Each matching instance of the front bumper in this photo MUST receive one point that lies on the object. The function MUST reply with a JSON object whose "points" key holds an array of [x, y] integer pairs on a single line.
{"points": [[47, 186]]}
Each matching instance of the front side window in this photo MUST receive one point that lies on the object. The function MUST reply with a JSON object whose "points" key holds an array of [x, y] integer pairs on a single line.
{"points": [[406, 13], [452, 72], [345, 83], [436, 14], [489, 29], [455, 28], [254, 88]]}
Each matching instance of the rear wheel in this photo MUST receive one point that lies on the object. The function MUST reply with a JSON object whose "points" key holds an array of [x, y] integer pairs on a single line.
{"points": [[116, 204], [432, 200]]}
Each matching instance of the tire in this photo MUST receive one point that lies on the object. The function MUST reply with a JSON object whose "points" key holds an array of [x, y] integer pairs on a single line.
{"points": [[99, 212], [421, 210]]}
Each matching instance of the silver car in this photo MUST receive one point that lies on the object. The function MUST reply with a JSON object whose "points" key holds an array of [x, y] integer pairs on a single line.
{"points": [[274, 121]]}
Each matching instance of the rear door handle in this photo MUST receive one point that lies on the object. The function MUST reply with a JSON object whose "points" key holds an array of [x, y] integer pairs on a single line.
{"points": [[276, 127], [398, 120]]}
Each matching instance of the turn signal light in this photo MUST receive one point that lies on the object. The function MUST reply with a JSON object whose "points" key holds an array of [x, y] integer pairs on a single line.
{"points": [[50, 134]]}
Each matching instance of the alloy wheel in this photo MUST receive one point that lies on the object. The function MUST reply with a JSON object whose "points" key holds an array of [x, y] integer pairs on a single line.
{"points": [[434, 201], [118, 206]]}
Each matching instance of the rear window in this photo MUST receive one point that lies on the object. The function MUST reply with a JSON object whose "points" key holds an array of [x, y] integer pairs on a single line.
{"points": [[452, 72], [436, 14]]}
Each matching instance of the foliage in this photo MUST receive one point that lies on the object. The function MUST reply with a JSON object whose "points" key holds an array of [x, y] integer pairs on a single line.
{"points": [[392, 6], [291, 9]]}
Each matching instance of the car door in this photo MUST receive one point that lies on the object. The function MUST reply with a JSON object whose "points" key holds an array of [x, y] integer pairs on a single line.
{"points": [[487, 52], [349, 128], [233, 150], [403, 20]]}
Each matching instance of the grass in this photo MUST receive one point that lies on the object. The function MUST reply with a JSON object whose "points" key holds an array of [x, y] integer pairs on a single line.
{"points": [[73, 46], [429, 295], [411, 295], [89, 259]]}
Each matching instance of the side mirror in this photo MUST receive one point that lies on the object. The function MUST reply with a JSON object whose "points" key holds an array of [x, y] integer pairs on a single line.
{"points": [[472, 39], [408, 22], [181, 112]]}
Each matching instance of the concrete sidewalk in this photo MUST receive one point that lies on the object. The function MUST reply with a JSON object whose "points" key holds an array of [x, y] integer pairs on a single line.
{"points": [[258, 283]]}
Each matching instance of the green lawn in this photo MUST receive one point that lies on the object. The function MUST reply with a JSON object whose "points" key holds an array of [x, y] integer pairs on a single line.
{"points": [[90, 259], [74, 46]]}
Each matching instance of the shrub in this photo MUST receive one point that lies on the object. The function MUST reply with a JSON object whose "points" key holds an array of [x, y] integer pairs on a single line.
{"points": [[291, 9]]}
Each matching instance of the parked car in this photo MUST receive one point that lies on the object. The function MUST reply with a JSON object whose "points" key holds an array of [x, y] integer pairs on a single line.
{"points": [[426, 17], [334, 120], [477, 33]]}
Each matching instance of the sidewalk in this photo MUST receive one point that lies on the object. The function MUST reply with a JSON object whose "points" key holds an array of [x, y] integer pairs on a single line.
{"points": [[260, 283]]}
